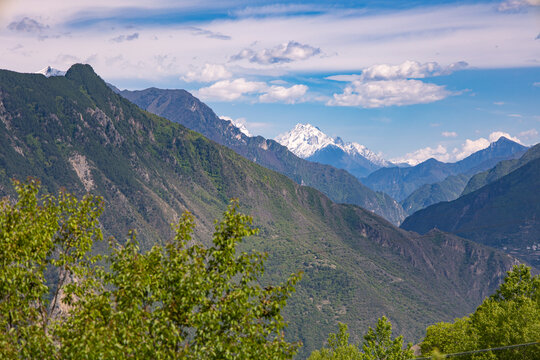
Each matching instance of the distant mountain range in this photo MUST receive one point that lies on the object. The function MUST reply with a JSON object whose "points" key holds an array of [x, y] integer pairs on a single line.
{"points": [[401, 182], [74, 132], [310, 143], [500, 208], [181, 107]]}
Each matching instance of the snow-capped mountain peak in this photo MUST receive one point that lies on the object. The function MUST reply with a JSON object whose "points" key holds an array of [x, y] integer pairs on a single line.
{"points": [[243, 129], [305, 139], [49, 71]]}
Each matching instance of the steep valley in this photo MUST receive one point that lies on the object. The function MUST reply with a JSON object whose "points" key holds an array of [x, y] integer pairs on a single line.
{"points": [[74, 132]]}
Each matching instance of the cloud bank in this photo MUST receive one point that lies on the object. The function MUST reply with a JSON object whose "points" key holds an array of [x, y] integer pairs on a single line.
{"points": [[283, 53], [209, 73], [376, 94], [237, 89], [384, 85]]}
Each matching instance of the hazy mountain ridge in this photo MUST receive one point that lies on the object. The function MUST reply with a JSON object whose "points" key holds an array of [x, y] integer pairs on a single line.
{"points": [[504, 213], [401, 182], [180, 106], [501, 169], [447, 190], [74, 132]]}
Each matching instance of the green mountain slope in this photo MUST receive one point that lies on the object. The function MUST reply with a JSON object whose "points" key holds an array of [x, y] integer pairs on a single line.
{"points": [[74, 132], [501, 169], [447, 190], [503, 214], [181, 107], [401, 182]]}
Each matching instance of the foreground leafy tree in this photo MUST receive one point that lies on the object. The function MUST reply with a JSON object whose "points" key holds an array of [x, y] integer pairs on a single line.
{"points": [[508, 317], [181, 300], [339, 347], [37, 234], [378, 344]]}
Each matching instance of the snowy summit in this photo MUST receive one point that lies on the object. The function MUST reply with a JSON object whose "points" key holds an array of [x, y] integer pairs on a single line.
{"points": [[240, 126], [49, 71], [305, 140]]}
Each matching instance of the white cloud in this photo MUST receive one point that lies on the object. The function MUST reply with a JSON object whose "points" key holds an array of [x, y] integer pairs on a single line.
{"points": [[229, 90], [494, 136], [515, 115], [416, 157], [517, 5], [409, 70], [282, 94], [471, 146], [498, 103], [209, 73], [351, 39], [449, 134], [375, 94], [529, 134], [537, 84], [345, 78], [386, 85], [283, 53]]}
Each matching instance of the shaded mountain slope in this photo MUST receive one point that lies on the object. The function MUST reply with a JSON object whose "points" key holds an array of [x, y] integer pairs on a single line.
{"points": [[501, 169], [401, 182], [447, 190], [74, 132], [181, 107], [503, 214]]}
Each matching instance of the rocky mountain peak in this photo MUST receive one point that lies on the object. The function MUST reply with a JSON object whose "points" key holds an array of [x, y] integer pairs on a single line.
{"points": [[49, 71], [304, 140]]}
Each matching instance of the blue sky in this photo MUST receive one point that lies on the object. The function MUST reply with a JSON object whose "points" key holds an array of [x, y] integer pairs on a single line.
{"points": [[408, 79]]}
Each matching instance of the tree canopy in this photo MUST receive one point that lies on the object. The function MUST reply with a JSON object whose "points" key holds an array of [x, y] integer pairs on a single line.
{"points": [[181, 300], [508, 317], [378, 344]]}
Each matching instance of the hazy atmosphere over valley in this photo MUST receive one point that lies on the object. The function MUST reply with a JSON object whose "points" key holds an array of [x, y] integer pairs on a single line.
{"points": [[388, 152]]}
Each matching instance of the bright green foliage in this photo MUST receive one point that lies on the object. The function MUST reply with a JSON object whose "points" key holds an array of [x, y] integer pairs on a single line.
{"points": [[450, 337], [37, 234], [182, 300], [508, 317], [378, 344], [339, 347]]}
